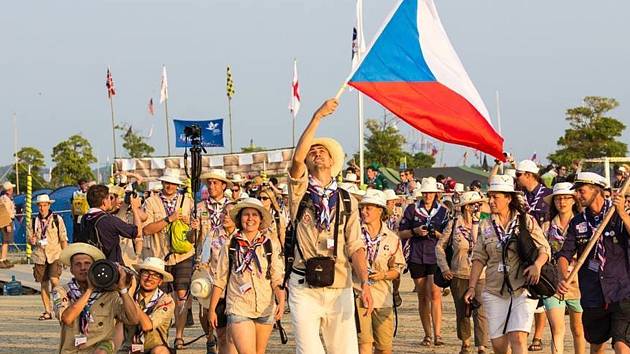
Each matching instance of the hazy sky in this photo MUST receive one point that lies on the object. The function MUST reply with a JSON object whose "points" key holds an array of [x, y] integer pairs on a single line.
{"points": [[543, 57]]}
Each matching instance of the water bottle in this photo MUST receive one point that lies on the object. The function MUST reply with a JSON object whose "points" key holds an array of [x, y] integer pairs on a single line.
{"points": [[12, 288]]}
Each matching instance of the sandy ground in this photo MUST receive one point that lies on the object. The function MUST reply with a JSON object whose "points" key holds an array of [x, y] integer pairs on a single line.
{"points": [[21, 332]]}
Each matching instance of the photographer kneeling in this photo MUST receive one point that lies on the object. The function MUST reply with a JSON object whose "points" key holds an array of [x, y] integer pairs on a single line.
{"points": [[87, 314]]}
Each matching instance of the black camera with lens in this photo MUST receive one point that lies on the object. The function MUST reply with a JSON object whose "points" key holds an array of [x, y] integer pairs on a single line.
{"points": [[128, 195], [429, 228], [192, 132], [103, 275]]}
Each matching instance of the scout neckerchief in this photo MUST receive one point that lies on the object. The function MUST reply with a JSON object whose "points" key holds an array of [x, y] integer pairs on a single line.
{"points": [[246, 256], [392, 222], [424, 214], [324, 201], [556, 234], [372, 245], [86, 314], [169, 205], [532, 199], [44, 223], [504, 235], [138, 337], [600, 250], [466, 233]]}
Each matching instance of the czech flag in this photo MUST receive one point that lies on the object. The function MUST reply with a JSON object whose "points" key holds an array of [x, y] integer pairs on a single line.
{"points": [[413, 71]]}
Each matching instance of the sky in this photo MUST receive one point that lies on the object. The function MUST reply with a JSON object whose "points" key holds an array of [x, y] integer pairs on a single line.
{"points": [[541, 56]]}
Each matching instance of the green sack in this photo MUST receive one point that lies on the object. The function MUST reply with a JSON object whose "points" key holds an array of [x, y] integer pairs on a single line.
{"points": [[178, 232]]}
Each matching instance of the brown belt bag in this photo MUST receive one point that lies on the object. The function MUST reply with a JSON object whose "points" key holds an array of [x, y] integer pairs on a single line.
{"points": [[320, 272]]}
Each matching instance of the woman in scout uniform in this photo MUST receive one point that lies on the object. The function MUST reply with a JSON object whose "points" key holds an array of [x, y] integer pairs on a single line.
{"points": [[155, 310], [278, 226], [48, 238], [251, 279], [505, 292], [563, 207], [422, 225], [385, 263], [88, 315], [462, 234]]}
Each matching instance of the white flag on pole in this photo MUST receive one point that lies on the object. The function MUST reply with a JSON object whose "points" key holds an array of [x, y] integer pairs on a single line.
{"points": [[294, 105], [164, 86], [358, 40]]}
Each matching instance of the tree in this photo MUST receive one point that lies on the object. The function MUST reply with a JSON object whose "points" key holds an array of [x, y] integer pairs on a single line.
{"points": [[134, 143], [419, 160], [591, 133], [73, 158], [33, 157], [384, 144]]}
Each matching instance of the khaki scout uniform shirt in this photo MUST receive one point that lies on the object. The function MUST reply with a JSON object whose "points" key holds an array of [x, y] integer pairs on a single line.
{"points": [[250, 294], [389, 256], [105, 310], [160, 319], [488, 251], [213, 239], [461, 263], [127, 247], [54, 236], [314, 243], [8, 203], [159, 244]]}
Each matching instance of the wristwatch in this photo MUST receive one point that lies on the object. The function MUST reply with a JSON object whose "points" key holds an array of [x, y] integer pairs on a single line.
{"points": [[123, 291], [166, 220]]}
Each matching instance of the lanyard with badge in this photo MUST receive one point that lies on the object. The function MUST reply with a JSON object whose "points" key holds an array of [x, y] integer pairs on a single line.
{"points": [[137, 342], [596, 264], [43, 226], [504, 238], [372, 246]]}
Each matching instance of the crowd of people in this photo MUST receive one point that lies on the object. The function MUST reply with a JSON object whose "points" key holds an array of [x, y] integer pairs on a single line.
{"points": [[330, 251]]}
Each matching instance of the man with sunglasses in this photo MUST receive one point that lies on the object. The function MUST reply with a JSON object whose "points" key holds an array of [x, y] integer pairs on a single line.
{"points": [[237, 192]]}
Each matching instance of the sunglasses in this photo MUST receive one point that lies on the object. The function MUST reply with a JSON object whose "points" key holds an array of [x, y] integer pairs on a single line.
{"points": [[519, 174], [264, 198]]}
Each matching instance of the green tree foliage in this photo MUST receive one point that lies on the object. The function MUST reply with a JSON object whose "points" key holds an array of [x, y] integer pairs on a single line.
{"points": [[134, 143], [33, 157], [419, 160], [383, 144], [591, 132], [72, 160]]}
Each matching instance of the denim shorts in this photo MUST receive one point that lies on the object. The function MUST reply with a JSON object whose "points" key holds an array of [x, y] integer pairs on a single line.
{"points": [[266, 320]]}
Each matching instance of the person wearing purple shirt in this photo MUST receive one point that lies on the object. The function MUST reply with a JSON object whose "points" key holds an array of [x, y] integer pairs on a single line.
{"points": [[604, 278], [421, 225]]}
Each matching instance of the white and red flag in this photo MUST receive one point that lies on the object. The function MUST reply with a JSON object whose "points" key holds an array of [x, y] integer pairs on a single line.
{"points": [[109, 83], [294, 105], [150, 107], [164, 86]]}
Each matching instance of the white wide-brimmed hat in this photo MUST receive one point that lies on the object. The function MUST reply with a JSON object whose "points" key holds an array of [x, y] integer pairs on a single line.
{"points": [[171, 175], [335, 150], [374, 197], [7, 185], [156, 265], [252, 203], [562, 188], [501, 183], [470, 197], [430, 185], [80, 248], [351, 178], [237, 178], [44, 198], [154, 186], [417, 193], [589, 178], [201, 286], [510, 172], [527, 166], [352, 188], [390, 194], [218, 174]]}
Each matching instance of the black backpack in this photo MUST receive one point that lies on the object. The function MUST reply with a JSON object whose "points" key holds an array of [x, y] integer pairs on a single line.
{"points": [[55, 221], [438, 277], [88, 233]]}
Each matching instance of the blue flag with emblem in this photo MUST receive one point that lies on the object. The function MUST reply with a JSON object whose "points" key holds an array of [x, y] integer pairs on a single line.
{"points": [[211, 132]]}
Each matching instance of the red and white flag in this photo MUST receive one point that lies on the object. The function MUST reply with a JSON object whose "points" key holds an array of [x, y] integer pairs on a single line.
{"points": [[109, 83], [150, 107], [294, 105], [163, 86], [358, 40]]}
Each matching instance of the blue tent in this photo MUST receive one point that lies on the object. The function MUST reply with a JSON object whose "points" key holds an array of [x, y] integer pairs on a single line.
{"points": [[61, 206]]}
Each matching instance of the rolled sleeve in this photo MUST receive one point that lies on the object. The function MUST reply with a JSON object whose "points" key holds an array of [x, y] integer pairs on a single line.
{"points": [[277, 265], [223, 265], [479, 252], [353, 232], [60, 301], [297, 189], [63, 232], [440, 254]]}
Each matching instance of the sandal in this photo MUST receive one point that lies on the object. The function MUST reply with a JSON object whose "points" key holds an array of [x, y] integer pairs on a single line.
{"points": [[426, 342], [178, 343], [465, 349], [45, 316], [537, 345], [438, 341]]}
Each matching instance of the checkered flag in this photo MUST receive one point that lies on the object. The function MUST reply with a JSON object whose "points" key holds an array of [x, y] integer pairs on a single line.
{"points": [[230, 84]]}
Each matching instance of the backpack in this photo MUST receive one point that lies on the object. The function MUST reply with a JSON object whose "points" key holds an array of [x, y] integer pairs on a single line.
{"points": [[88, 232], [438, 277], [55, 221], [80, 204], [177, 231]]}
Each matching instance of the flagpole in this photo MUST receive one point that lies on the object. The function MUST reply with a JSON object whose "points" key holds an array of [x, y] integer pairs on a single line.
{"points": [[293, 141], [111, 106], [361, 137], [499, 122], [230, 123], [15, 151], [168, 132]]}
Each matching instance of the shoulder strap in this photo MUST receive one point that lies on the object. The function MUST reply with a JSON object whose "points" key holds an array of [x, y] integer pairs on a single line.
{"points": [[231, 256], [56, 220], [268, 253], [336, 229]]}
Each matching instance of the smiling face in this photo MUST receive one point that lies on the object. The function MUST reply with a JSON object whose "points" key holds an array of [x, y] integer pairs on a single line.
{"points": [[215, 188], [169, 189], [371, 213], [43, 208], [428, 197], [150, 280], [80, 263], [564, 203], [250, 219], [318, 158], [586, 194]]}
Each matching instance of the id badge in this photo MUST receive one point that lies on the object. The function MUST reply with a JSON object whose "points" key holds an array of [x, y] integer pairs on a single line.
{"points": [[503, 268], [43, 242], [330, 243], [593, 265], [245, 288], [80, 339], [137, 348]]}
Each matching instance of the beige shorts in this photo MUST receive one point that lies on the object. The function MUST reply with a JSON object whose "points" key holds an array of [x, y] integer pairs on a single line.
{"points": [[521, 315], [377, 328], [43, 272]]}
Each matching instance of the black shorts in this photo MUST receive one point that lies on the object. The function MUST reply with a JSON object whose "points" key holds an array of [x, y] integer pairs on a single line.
{"points": [[602, 324], [418, 271], [182, 274]]}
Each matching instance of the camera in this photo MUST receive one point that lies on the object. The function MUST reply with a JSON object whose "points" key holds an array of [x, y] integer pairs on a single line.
{"points": [[103, 274], [129, 195], [429, 228], [192, 132]]}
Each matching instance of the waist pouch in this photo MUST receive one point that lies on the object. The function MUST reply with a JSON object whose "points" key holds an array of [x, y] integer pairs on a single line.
{"points": [[320, 272]]}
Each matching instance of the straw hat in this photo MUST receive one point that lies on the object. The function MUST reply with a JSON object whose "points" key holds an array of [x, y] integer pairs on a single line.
{"points": [[470, 198], [252, 203], [201, 286], [352, 188], [335, 150], [237, 178], [156, 265], [374, 197], [43, 198], [527, 166], [390, 195], [80, 248], [417, 193], [589, 178], [501, 183], [171, 176], [117, 191], [430, 185], [7, 185], [217, 174], [563, 188]]}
